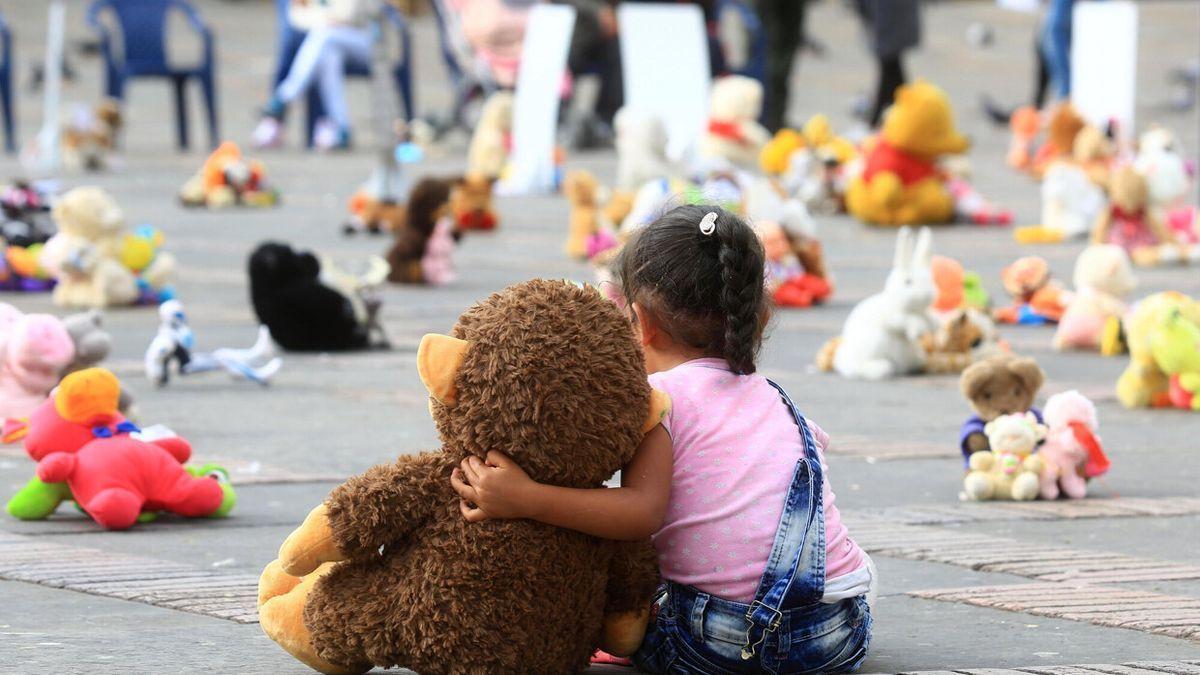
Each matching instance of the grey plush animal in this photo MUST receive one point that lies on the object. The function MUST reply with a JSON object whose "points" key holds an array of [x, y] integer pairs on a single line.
{"points": [[92, 345]]}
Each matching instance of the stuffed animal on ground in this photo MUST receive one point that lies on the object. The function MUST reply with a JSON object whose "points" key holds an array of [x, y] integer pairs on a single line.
{"points": [[423, 247], [900, 181], [141, 253], [955, 288], [174, 343], [1103, 276], [641, 143], [970, 206], [1071, 202], [90, 140], [1130, 223], [92, 345], [78, 437], [85, 254], [963, 337], [1169, 183], [1004, 384], [21, 269], [580, 188], [1062, 131], [229, 179], [884, 334], [302, 312], [1037, 298], [26, 215], [471, 203], [548, 372], [1143, 384], [734, 138], [34, 350], [1025, 123], [1175, 345], [373, 216], [816, 174], [789, 281], [491, 140], [1072, 453], [1009, 470]]}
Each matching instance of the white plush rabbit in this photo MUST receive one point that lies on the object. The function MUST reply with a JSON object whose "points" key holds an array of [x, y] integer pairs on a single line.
{"points": [[882, 335]]}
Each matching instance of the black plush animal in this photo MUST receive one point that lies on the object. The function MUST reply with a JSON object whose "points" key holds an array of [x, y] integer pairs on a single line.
{"points": [[303, 313]]}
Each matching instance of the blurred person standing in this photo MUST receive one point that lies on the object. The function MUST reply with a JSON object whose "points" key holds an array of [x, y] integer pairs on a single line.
{"points": [[893, 27], [783, 21]]}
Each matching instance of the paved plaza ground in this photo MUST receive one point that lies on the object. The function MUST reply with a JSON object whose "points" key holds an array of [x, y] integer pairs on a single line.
{"points": [[1038, 586]]}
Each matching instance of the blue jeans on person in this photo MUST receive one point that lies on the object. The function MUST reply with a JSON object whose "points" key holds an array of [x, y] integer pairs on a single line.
{"points": [[1056, 45], [786, 629]]}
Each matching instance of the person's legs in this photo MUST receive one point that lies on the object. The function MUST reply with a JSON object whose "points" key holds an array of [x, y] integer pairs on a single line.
{"points": [[1041, 75], [342, 44], [304, 69], [783, 21], [891, 76], [1056, 45]]}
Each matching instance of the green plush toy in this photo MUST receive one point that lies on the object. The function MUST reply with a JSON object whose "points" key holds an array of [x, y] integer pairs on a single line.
{"points": [[974, 293], [1175, 346], [38, 499]]}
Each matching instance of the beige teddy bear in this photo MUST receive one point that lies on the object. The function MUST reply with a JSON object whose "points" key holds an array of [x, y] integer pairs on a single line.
{"points": [[734, 134], [489, 144], [1009, 470], [85, 254]]}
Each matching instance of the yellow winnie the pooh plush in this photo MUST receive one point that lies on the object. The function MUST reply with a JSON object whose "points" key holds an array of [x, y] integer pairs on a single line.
{"points": [[900, 183]]}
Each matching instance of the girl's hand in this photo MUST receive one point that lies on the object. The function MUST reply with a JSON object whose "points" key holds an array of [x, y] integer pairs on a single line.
{"points": [[497, 488]]}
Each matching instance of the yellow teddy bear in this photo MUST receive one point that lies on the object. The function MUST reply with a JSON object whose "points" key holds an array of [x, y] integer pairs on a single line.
{"points": [[900, 182]]}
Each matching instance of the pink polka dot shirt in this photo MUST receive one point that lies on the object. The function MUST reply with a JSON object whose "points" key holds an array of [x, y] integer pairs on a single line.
{"points": [[735, 449]]}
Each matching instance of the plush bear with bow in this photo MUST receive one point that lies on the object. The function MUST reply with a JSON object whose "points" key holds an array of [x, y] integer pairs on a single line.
{"points": [[387, 572], [78, 437], [1072, 453]]}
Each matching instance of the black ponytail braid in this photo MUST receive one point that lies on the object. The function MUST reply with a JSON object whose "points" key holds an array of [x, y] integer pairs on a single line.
{"points": [[705, 290]]}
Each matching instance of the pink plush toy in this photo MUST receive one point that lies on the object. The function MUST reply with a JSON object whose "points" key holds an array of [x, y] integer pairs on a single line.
{"points": [[1072, 453], [34, 350], [78, 437], [1103, 277]]}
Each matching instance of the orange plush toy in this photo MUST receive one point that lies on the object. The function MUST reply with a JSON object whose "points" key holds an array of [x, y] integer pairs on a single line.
{"points": [[1037, 298], [79, 438]]}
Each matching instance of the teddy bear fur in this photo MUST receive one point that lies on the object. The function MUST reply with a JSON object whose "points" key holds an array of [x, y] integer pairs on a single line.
{"points": [[1143, 383], [34, 349], [227, 178], [427, 203], [85, 254], [641, 143], [1009, 470], [1103, 276], [1003, 384], [86, 144], [488, 151], [900, 182], [734, 136], [963, 336], [550, 374], [302, 313]]}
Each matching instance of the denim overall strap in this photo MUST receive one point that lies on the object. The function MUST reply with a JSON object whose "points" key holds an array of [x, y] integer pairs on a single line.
{"points": [[795, 572]]}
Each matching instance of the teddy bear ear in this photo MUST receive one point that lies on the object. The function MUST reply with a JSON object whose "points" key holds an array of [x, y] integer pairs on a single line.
{"points": [[438, 359], [660, 405]]}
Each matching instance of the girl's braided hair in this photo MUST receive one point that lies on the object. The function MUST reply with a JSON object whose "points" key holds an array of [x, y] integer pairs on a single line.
{"points": [[702, 283]]}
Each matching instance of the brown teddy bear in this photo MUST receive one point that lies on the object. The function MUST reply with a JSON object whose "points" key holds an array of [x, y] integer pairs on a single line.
{"points": [[471, 203], [428, 202], [1000, 385], [387, 572]]}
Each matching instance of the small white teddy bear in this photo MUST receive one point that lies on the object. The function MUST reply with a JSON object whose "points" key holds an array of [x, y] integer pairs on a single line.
{"points": [[1009, 470]]}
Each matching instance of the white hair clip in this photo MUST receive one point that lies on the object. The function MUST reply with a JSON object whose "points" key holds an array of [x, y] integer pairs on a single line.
{"points": [[708, 224]]}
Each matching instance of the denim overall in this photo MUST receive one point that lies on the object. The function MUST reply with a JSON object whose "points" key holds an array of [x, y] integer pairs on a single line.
{"points": [[787, 629]]}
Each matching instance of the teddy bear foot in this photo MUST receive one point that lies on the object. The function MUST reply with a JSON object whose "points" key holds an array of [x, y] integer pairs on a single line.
{"points": [[281, 599]]}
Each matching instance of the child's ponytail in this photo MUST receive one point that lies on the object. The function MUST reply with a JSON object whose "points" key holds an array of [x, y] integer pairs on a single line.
{"points": [[741, 294], [699, 271]]}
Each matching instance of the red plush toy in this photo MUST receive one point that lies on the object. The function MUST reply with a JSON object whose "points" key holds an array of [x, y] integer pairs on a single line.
{"points": [[78, 437]]}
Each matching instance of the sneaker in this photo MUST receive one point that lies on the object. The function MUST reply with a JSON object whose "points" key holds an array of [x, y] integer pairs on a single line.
{"points": [[268, 134], [328, 136]]}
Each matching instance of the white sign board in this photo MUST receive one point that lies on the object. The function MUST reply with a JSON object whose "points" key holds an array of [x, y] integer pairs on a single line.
{"points": [[535, 105], [1028, 6], [1104, 39], [664, 61]]}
